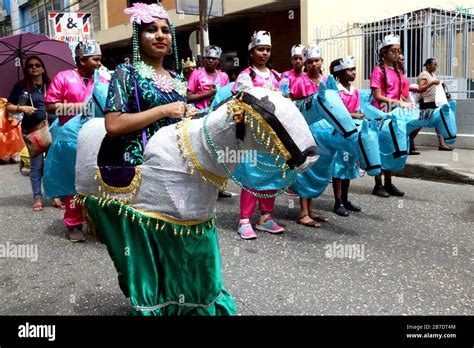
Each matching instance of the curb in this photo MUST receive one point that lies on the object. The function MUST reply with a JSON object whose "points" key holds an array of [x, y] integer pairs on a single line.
{"points": [[436, 173]]}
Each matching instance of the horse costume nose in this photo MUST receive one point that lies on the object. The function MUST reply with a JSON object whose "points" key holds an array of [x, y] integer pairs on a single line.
{"points": [[310, 156]]}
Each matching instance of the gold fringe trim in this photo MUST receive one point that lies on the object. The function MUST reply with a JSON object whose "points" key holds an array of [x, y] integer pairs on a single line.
{"points": [[130, 188], [180, 228]]}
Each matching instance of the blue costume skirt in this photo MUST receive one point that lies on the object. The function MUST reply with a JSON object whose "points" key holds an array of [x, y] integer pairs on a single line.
{"points": [[261, 174], [345, 166], [315, 179], [60, 165]]}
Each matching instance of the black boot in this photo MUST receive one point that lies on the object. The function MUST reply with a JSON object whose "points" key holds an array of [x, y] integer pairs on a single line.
{"points": [[339, 209], [380, 191], [392, 190], [223, 194], [349, 206]]}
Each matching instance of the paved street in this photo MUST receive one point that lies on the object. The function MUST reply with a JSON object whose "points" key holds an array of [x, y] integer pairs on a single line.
{"points": [[415, 257]]}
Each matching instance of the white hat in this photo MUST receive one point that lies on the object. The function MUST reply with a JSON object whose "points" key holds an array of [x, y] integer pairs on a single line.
{"points": [[88, 49], [213, 52], [389, 40], [311, 52], [297, 50], [260, 38], [347, 62]]}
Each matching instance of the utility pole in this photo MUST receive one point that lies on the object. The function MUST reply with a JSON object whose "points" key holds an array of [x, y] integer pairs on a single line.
{"points": [[203, 30]]}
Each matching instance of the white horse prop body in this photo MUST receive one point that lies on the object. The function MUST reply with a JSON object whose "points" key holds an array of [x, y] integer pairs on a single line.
{"points": [[171, 177]]}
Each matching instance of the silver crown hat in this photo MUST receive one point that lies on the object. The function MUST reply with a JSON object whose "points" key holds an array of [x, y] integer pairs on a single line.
{"points": [[297, 50], [87, 49], [212, 51], [347, 62], [260, 38], [389, 40], [311, 52]]}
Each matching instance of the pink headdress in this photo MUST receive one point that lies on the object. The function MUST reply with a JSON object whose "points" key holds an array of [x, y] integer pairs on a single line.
{"points": [[141, 13]]}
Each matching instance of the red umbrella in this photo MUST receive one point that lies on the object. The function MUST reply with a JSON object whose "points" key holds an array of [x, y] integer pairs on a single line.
{"points": [[14, 50]]}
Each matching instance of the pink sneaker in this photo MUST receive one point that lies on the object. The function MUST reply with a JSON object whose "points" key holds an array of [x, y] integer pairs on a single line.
{"points": [[246, 231], [266, 223]]}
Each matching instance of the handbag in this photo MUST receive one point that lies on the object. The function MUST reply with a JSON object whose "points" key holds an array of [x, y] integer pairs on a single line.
{"points": [[440, 98], [38, 139]]}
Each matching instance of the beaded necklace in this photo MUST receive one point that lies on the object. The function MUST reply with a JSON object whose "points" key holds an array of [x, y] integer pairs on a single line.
{"points": [[231, 175]]}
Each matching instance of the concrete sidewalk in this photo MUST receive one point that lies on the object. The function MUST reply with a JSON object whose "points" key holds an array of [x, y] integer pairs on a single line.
{"points": [[456, 166]]}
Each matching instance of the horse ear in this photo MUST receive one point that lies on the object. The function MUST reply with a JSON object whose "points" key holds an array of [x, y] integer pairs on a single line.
{"points": [[331, 83], [322, 90], [453, 105]]}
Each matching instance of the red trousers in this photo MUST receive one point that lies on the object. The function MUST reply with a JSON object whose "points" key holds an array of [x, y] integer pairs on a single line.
{"points": [[248, 203], [73, 214]]}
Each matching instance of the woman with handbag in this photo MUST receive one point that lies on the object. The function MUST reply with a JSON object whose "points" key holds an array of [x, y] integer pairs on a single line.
{"points": [[27, 97], [428, 83]]}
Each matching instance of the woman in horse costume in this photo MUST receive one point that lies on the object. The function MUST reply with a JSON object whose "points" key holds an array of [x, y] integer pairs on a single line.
{"points": [[150, 184]]}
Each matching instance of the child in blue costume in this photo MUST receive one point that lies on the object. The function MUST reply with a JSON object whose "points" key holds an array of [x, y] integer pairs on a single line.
{"points": [[255, 181], [345, 165], [70, 96]]}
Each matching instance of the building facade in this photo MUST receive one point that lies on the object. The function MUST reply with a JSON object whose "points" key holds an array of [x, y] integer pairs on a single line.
{"points": [[20, 16]]}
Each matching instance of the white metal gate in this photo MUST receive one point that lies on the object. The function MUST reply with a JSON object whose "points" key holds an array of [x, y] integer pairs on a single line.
{"points": [[445, 35]]}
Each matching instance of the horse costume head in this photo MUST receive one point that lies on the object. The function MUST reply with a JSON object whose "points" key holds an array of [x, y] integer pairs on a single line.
{"points": [[442, 118], [264, 121], [328, 104], [180, 179]]}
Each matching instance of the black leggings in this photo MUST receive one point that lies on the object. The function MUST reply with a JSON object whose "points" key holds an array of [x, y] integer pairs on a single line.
{"points": [[429, 105]]}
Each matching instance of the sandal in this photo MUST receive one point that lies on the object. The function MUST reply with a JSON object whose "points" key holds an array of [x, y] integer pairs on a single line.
{"points": [[316, 217], [38, 206], [312, 224], [59, 205]]}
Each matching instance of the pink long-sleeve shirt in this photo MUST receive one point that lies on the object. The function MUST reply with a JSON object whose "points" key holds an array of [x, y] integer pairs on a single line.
{"points": [[200, 82], [69, 87]]}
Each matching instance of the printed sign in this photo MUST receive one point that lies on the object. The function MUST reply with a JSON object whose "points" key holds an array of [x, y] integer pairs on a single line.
{"points": [[70, 27]]}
